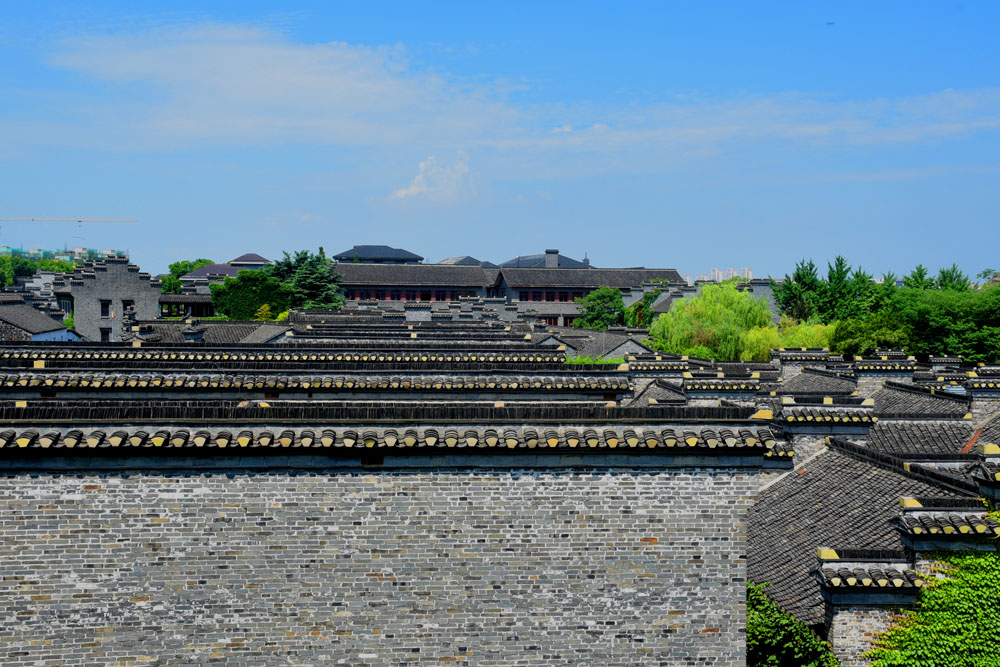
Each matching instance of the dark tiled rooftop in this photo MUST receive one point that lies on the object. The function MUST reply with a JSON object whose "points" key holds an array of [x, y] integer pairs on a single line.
{"points": [[912, 439], [836, 498]]}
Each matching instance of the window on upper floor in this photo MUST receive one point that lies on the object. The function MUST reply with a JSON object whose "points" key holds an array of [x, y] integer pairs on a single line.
{"points": [[105, 308]]}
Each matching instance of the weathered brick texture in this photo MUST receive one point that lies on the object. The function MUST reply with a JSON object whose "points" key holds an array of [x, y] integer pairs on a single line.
{"points": [[854, 627], [392, 568]]}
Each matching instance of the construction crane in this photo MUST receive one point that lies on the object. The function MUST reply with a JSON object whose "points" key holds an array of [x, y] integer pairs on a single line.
{"points": [[69, 219]]}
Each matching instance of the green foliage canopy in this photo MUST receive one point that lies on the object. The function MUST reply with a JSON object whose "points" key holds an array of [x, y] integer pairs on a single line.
{"points": [[240, 298], [776, 639], [716, 324], [602, 308], [186, 266], [13, 266], [640, 314], [957, 619], [171, 284]]}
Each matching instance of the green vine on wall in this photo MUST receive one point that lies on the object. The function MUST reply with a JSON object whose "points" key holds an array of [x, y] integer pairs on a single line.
{"points": [[957, 619], [777, 639]]}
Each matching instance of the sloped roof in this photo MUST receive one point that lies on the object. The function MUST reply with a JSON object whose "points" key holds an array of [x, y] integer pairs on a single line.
{"points": [[250, 258], [214, 270], [660, 392], [911, 439], [586, 277], [538, 262], [169, 332], [906, 400], [383, 252], [811, 381], [467, 260], [27, 319], [836, 499], [429, 275]]}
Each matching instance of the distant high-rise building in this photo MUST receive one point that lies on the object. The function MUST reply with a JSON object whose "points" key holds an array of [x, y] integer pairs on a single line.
{"points": [[687, 278], [746, 274], [717, 276], [702, 277], [730, 273]]}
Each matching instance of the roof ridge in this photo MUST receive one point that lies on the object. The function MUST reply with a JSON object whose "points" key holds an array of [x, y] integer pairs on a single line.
{"points": [[898, 465], [913, 389]]}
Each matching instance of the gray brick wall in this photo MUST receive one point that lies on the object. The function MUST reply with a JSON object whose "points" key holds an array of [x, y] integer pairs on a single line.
{"points": [[486, 567], [984, 406], [854, 627], [114, 280]]}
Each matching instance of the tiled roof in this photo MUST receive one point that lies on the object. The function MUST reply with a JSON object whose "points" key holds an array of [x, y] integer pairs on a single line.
{"points": [[28, 319], [194, 356], [586, 277], [991, 431], [185, 298], [501, 436], [867, 576], [215, 381], [430, 275], [811, 381], [538, 262], [957, 524], [836, 498], [170, 332], [214, 270], [902, 400], [660, 392], [250, 258], [377, 252], [467, 260], [912, 439]]}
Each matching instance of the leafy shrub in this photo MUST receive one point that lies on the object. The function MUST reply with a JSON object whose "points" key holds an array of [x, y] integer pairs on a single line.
{"points": [[777, 639]]}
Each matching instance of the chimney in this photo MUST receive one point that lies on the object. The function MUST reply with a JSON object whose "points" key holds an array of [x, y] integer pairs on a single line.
{"points": [[193, 332], [551, 259]]}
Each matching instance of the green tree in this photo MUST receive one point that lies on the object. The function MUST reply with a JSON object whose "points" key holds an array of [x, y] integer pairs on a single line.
{"points": [[6, 271], [240, 298], [777, 639], [171, 284], [263, 313], [715, 324], [640, 314], [800, 295], [23, 268], [284, 269], [837, 295], [957, 619], [952, 278], [184, 267], [315, 283], [919, 278], [601, 309], [54, 265]]}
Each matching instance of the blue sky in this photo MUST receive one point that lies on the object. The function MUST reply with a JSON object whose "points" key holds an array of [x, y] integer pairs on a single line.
{"points": [[686, 135]]}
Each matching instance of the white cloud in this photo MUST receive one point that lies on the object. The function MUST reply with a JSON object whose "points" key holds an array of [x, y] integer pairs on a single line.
{"points": [[210, 85], [435, 181]]}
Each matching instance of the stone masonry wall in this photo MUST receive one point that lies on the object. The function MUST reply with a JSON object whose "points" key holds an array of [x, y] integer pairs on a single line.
{"points": [[853, 629], [10, 332], [869, 383], [114, 280], [488, 567], [984, 406]]}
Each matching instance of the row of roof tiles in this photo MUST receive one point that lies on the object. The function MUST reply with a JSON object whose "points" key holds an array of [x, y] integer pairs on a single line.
{"points": [[761, 440], [250, 381]]}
